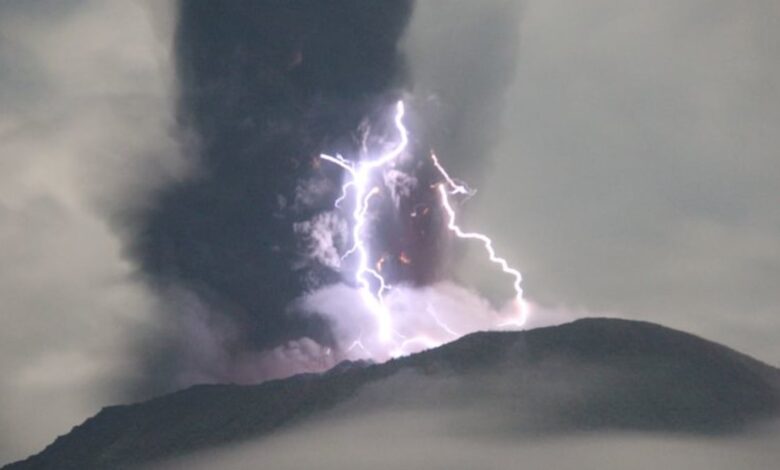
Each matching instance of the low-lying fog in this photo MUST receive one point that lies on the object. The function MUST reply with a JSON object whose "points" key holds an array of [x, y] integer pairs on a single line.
{"points": [[417, 440], [408, 421]]}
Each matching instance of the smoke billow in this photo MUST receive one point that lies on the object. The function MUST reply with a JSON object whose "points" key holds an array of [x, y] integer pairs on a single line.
{"points": [[162, 186], [254, 237], [264, 87], [423, 317], [181, 160], [462, 58]]}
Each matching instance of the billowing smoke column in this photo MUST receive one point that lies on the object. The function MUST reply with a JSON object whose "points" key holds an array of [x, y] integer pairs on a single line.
{"points": [[390, 336], [263, 88], [260, 275]]}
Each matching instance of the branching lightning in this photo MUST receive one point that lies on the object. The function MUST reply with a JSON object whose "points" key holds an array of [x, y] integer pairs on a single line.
{"points": [[429, 309], [456, 188], [520, 303], [362, 185], [459, 188], [361, 177]]}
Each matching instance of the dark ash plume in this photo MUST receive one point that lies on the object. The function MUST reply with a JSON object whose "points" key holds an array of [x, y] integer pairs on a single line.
{"points": [[264, 88]]}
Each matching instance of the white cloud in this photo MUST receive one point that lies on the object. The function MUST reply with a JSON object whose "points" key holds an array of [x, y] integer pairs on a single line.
{"points": [[421, 317]]}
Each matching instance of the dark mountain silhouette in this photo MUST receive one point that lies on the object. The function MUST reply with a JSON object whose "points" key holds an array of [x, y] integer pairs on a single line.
{"points": [[589, 375]]}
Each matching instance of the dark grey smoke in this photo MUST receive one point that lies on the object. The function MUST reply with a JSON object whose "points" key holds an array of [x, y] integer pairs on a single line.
{"points": [[264, 88]]}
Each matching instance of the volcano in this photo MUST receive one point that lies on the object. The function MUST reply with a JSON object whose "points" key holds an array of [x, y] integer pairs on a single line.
{"points": [[589, 376]]}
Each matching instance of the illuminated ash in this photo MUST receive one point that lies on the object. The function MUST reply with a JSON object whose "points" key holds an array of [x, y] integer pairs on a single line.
{"points": [[361, 184], [395, 332]]}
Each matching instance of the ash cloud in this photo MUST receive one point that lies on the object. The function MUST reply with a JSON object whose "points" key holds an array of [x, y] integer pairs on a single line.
{"points": [[324, 238], [264, 87], [424, 316]]}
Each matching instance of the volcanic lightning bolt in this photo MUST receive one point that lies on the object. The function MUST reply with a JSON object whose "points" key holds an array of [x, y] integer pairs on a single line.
{"points": [[372, 287], [362, 174], [521, 306]]}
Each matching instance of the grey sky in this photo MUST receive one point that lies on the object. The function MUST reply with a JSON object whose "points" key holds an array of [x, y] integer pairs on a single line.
{"points": [[635, 168]]}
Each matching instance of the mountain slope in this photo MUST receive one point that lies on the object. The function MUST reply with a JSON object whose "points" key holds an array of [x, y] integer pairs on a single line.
{"points": [[594, 374]]}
